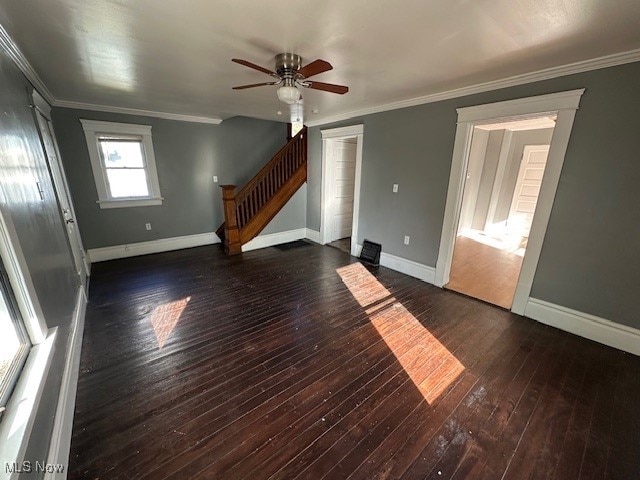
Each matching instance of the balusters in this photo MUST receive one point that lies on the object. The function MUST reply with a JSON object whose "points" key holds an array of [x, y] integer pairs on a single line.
{"points": [[251, 199]]}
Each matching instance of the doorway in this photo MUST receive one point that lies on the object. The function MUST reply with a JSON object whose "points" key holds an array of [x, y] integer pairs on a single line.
{"points": [[42, 113], [341, 167], [562, 104], [501, 188]]}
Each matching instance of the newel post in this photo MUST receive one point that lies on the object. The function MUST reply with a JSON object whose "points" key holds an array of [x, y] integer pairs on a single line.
{"points": [[232, 245]]}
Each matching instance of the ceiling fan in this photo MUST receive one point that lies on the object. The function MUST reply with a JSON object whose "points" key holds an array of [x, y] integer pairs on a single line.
{"points": [[290, 74]]}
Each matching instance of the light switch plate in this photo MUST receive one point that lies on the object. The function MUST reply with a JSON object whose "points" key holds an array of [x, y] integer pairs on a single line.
{"points": [[395, 188]]}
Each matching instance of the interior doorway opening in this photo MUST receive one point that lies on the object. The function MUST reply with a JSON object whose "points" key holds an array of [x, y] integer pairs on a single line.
{"points": [[342, 154], [505, 168], [341, 168]]}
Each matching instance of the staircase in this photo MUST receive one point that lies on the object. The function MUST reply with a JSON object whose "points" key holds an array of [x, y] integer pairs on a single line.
{"points": [[248, 212]]}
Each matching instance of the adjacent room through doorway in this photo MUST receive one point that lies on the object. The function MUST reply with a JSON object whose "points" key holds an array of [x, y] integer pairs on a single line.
{"points": [[504, 174], [340, 187], [341, 153]]}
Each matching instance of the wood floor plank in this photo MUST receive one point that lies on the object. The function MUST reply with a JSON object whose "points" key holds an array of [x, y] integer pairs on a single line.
{"points": [[299, 362]]}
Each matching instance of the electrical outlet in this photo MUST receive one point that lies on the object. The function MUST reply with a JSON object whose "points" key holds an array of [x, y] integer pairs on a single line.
{"points": [[406, 239], [147, 226], [395, 188], [215, 179]]}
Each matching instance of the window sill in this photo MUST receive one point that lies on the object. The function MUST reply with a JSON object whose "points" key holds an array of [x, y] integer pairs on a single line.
{"points": [[17, 421], [143, 202]]}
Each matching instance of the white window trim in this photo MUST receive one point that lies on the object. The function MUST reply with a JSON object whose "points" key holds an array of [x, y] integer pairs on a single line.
{"points": [[91, 129], [18, 419]]}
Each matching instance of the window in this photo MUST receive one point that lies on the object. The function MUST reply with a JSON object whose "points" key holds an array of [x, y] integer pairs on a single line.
{"points": [[14, 342], [123, 164]]}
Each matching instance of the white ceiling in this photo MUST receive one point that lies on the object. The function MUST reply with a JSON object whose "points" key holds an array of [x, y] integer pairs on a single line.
{"points": [[175, 55]]}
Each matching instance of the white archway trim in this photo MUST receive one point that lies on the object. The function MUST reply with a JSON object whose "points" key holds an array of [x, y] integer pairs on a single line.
{"points": [[565, 105], [351, 131]]}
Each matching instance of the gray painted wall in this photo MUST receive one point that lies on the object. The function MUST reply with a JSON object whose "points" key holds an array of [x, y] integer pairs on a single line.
{"points": [[590, 260], [487, 179], [188, 155], [477, 151], [41, 233]]}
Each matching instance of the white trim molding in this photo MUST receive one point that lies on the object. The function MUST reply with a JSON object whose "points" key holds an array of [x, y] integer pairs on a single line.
{"points": [[585, 325], [343, 132], [271, 239], [17, 422], [115, 252], [145, 202], [13, 51], [41, 104], [135, 111], [93, 129], [350, 131], [565, 105], [11, 48], [20, 278], [523, 79], [63, 423], [154, 246], [521, 107], [403, 265], [313, 235]]}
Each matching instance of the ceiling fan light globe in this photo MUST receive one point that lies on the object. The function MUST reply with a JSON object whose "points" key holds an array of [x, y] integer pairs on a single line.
{"points": [[288, 95]]}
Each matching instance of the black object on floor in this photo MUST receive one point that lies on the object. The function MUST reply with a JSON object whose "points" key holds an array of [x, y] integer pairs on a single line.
{"points": [[371, 253]]}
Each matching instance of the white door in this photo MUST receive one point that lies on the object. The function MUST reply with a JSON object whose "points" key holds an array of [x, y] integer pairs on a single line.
{"points": [[344, 174], [525, 195], [62, 192]]}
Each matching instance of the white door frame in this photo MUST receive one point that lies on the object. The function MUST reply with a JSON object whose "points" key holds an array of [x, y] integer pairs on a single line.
{"points": [[59, 181], [565, 105], [352, 131]]}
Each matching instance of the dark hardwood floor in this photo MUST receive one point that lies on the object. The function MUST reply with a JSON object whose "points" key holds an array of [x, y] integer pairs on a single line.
{"points": [[301, 363]]}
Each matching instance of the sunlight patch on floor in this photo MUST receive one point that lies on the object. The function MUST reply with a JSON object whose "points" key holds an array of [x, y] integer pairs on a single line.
{"points": [[165, 318], [428, 363], [506, 242]]}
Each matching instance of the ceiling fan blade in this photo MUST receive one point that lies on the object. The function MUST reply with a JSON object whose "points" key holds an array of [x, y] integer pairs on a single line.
{"points": [[314, 68], [242, 87], [327, 87], [254, 66]]}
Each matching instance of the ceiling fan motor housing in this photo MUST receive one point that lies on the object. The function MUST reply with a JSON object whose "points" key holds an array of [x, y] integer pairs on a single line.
{"points": [[288, 64]]}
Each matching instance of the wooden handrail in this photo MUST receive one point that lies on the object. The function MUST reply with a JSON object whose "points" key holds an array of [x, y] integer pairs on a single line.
{"points": [[301, 135], [248, 211]]}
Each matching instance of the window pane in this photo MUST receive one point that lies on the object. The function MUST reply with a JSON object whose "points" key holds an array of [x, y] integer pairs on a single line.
{"points": [[128, 182], [13, 342], [122, 153]]}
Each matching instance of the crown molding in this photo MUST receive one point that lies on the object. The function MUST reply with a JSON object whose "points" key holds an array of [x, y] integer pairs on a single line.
{"points": [[14, 52], [546, 74], [134, 111]]}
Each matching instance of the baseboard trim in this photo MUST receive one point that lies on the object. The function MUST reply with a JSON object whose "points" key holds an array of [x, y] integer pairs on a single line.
{"points": [[63, 423], [403, 265], [153, 246], [313, 235], [271, 239], [585, 325]]}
